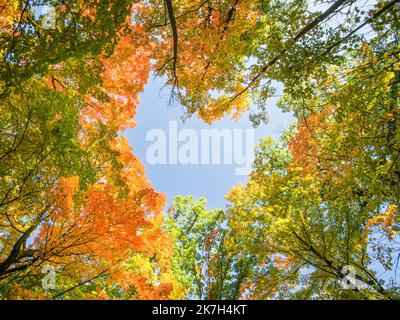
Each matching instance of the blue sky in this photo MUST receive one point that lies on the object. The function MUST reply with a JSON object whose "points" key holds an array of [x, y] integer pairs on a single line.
{"points": [[209, 181]]}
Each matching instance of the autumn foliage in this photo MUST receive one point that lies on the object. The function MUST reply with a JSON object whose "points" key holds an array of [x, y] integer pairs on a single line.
{"points": [[100, 224], [75, 199]]}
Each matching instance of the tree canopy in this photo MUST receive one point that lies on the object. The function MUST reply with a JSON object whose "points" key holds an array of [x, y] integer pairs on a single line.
{"points": [[320, 202]]}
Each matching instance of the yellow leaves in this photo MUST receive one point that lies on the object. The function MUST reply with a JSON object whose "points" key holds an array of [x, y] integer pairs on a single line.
{"points": [[69, 186], [177, 291], [18, 292], [217, 108], [10, 14], [66, 189], [124, 75], [212, 47], [58, 117], [332, 69]]}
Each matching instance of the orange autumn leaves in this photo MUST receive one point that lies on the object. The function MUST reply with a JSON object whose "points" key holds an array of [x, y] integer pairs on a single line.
{"points": [[9, 14], [115, 224], [103, 227], [211, 48], [387, 221]]}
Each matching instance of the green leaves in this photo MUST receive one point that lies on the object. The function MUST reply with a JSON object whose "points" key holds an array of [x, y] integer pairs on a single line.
{"points": [[206, 259], [81, 28]]}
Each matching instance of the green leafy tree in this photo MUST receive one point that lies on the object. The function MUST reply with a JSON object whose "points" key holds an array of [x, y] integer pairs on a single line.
{"points": [[206, 259]]}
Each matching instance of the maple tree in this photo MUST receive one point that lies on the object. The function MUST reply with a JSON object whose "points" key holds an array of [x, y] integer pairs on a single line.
{"points": [[221, 56], [74, 197], [206, 259], [326, 197]]}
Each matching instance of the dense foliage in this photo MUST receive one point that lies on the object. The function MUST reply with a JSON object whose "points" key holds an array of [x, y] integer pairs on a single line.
{"points": [[322, 200]]}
